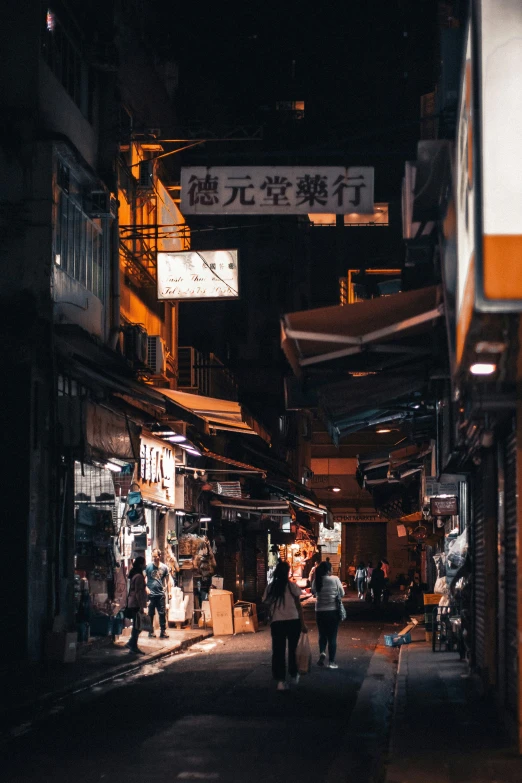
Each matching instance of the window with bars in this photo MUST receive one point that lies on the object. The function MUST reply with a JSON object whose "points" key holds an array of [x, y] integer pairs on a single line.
{"points": [[80, 243]]}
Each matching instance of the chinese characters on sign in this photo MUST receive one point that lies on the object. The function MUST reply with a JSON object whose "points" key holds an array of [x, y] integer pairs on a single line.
{"points": [[273, 190], [198, 274]]}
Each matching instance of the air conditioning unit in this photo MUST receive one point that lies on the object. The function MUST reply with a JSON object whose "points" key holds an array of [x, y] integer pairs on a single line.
{"points": [[135, 344], [156, 355], [145, 176], [98, 203]]}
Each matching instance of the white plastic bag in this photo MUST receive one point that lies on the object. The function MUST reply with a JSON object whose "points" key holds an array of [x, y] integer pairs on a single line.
{"points": [[304, 654], [440, 585]]}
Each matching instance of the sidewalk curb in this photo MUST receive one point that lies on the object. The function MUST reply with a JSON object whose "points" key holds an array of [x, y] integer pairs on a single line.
{"points": [[45, 702], [364, 744], [398, 692]]}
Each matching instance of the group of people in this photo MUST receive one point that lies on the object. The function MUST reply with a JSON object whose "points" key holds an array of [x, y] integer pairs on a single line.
{"points": [[283, 599], [372, 582], [148, 585]]}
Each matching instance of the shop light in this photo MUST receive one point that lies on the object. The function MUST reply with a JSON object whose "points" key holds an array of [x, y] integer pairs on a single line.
{"points": [[382, 431], [482, 368], [335, 488], [205, 519], [195, 452], [180, 513], [176, 438]]}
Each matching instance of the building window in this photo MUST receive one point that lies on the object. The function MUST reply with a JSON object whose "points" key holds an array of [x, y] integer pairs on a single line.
{"points": [[64, 58], [80, 241]]}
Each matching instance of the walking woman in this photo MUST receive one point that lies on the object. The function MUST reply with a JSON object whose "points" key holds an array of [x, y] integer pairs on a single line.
{"points": [[282, 597], [360, 575], [329, 592], [136, 602]]}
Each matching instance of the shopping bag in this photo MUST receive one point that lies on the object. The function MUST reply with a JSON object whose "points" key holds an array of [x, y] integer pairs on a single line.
{"points": [[303, 654], [144, 622]]}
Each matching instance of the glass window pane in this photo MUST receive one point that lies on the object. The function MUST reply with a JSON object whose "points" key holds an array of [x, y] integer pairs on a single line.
{"points": [[64, 244], [88, 257], [82, 220], [70, 239]]}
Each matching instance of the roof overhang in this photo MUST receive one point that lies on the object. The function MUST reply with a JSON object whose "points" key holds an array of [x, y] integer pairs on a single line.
{"points": [[226, 415], [391, 325]]}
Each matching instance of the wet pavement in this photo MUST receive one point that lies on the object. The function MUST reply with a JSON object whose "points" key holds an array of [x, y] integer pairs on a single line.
{"points": [[212, 713]]}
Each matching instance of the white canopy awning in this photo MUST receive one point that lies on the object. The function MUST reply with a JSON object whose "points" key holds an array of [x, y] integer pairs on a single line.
{"points": [[219, 414]]}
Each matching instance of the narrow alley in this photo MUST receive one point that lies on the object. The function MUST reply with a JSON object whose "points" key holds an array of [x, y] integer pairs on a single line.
{"points": [[213, 714]]}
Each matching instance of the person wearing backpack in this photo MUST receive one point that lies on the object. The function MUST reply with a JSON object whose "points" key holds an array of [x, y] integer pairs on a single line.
{"points": [[360, 576]]}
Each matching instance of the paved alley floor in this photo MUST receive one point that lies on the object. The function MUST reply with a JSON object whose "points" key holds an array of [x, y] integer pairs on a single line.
{"points": [[213, 713]]}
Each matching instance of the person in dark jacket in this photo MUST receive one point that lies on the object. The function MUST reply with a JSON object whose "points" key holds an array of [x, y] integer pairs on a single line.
{"points": [[136, 602], [377, 584]]}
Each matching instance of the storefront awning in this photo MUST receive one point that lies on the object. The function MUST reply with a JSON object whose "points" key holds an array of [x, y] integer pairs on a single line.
{"points": [[250, 505], [244, 466], [299, 496], [219, 414], [392, 326], [358, 403]]}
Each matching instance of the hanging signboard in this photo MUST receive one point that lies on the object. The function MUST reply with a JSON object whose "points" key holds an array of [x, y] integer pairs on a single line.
{"points": [[276, 190], [357, 517], [444, 507], [198, 274], [434, 487]]}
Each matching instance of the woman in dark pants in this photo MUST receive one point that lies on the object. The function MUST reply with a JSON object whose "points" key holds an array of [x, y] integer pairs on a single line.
{"points": [[282, 597], [328, 591], [136, 602]]}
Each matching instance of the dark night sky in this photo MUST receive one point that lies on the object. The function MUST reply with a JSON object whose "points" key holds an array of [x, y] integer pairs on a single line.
{"points": [[361, 68], [358, 65]]}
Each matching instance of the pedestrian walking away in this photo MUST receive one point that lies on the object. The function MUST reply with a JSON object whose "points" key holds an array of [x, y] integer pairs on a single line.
{"points": [[328, 591], [283, 600], [377, 584], [360, 576], [157, 587], [136, 602]]}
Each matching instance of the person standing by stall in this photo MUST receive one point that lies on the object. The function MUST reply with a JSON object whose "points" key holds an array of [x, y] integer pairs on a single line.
{"points": [[136, 602], [157, 587], [287, 623], [329, 592]]}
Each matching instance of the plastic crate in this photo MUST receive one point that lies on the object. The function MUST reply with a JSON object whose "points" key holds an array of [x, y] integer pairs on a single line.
{"points": [[396, 640]]}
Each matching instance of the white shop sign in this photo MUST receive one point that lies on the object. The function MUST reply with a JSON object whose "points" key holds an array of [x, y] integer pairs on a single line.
{"points": [[198, 274], [156, 474]]}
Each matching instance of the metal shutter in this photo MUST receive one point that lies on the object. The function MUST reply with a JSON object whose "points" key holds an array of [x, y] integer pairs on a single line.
{"points": [[511, 648], [250, 568], [261, 564], [479, 575]]}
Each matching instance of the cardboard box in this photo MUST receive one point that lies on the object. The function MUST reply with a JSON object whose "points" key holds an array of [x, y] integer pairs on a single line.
{"points": [[221, 607], [61, 646], [217, 582], [245, 609], [245, 624]]}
